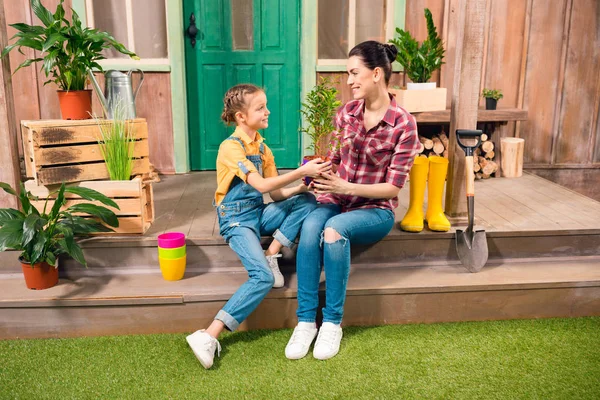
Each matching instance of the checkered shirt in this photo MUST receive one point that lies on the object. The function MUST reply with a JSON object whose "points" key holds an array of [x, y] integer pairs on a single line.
{"points": [[383, 154]]}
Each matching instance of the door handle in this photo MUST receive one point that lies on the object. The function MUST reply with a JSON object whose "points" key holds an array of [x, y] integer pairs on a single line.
{"points": [[192, 30]]}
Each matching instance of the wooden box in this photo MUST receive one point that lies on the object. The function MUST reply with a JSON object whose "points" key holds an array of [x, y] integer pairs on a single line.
{"points": [[134, 198], [420, 100], [57, 151]]}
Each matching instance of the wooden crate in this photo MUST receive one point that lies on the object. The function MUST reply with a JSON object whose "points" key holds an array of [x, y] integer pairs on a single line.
{"points": [[59, 151], [134, 198], [420, 100]]}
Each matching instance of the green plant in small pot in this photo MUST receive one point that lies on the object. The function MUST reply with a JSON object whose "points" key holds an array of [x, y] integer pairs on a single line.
{"points": [[66, 50], [319, 111], [420, 61], [43, 235], [491, 98]]}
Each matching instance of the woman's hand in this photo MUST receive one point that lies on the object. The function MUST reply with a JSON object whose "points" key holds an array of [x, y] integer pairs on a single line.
{"points": [[330, 183], [315, 168]]}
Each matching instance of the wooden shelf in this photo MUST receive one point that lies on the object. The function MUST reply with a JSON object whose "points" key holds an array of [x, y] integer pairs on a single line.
{"points": [[499, 115]]}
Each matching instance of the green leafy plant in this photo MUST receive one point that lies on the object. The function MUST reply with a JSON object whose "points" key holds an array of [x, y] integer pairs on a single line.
{"points": [[420, 61], [68, 50], [495, 94], [43, 236], [319, 110], [117, 143]]}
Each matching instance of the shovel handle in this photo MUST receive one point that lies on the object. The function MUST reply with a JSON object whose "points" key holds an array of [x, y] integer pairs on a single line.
{"points": [[470, 175]]}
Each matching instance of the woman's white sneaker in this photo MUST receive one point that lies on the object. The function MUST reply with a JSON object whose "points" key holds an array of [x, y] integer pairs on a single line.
{"points": [[204, 345], [274, 265], [301, 339], [328, 341]]}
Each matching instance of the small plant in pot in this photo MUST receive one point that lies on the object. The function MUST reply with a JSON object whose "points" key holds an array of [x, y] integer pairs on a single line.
{"points": [[43, 235], [67, 50], [491, 98], [319, 111], [420, 61]]}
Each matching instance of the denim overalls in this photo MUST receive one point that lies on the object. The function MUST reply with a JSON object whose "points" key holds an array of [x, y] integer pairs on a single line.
{"points": [[243, 218]]}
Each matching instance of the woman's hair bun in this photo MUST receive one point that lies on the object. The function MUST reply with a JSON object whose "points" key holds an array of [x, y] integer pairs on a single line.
{"points": [[391, 51]]}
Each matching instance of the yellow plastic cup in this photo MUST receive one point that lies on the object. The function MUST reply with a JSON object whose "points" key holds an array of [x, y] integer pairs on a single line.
{"points": [[172, 270], [172, 254]]}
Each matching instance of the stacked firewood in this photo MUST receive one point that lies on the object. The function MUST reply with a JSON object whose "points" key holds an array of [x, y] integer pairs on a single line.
{"points": [[483, 164]]}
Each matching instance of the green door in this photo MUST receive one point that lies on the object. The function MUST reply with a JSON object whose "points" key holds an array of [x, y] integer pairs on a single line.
{"points": [[243, 41]]}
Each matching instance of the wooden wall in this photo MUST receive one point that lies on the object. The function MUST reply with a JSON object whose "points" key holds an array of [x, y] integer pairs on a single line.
{"points": [[546, 59], [33, 100]]}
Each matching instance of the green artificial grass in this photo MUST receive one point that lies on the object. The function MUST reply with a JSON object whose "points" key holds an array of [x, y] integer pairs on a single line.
{"points": [[541, 359]]}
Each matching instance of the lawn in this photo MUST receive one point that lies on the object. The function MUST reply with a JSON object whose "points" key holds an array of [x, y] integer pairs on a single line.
{"points": [[543, 359]]}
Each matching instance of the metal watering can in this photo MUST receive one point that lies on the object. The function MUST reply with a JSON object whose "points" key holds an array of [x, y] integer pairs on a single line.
{"points": [[119, 97]]}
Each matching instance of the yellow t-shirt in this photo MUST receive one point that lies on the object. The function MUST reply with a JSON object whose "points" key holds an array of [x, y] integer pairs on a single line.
{"points": [[232, 161]]}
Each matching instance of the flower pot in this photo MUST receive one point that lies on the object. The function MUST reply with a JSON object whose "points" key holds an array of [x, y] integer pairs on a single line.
{"points": [[490, 104], [171, 254], [421, 86], [307, 179], [172, 270], [75, 104], [39, 276], [171, 240]]}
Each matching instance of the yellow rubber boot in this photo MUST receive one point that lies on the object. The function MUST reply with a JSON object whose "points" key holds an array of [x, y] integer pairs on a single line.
{"points": [[436, 219], [413, 220]]}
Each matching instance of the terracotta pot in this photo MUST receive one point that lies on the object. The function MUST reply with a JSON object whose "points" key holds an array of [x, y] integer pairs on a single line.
{"points": [[39, 276], [75, 104], [307, 179]]}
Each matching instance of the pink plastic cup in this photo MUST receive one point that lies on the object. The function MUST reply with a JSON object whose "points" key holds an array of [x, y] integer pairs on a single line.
{"points": [[171, 240]]}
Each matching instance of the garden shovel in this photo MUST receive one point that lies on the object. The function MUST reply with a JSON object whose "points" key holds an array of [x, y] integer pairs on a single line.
{"points": [[471, 246]]}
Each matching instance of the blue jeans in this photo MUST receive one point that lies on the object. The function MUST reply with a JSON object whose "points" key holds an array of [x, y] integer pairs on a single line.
{"points": [[361, 226], [242, 228]]}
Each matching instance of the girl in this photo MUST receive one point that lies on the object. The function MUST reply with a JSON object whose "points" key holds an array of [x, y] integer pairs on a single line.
{"points": [[378, 144], [245, 170]]}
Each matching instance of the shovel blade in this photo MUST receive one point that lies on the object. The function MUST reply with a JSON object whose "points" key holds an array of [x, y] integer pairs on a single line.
{"points": [[473, 254]]}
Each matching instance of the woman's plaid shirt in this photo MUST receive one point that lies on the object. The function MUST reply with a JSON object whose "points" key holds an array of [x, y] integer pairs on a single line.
{"points": [[383, 154]]}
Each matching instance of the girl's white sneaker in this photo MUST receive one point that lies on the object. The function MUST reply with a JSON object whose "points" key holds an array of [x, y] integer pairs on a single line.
{"points": [[301, 340], [204, 345]]}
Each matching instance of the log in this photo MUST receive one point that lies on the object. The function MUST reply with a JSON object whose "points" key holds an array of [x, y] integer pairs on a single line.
{"points": [[490, 155], [476, 166], [478, 175], [489, 168], [421, 147], [512, 157], [445, 153], [485, 176], [444, 138], [438, 146], [487, 146], [484, 137], [427, 143]]}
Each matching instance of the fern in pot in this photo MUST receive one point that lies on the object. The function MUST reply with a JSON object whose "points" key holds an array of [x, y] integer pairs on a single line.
{"points": [[46, 228]]}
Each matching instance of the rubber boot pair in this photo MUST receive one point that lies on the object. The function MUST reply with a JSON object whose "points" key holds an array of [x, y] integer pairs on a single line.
{"points": [[430, 172]]}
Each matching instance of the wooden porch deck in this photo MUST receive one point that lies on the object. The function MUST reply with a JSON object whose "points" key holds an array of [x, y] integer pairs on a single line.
{"points": [[544, 243]]}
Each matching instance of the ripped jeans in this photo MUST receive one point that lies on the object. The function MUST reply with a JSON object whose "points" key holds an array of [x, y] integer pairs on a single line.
{"points": [[360, 226]]}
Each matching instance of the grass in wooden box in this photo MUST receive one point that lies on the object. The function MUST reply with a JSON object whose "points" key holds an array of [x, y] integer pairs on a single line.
{"points": [[134, 198], [59, 151]]}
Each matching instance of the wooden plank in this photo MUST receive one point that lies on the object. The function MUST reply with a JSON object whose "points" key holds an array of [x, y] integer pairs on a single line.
{"points": [[541, 90], [81, 153], [46, 133], [111, 189], [84, 172], [576, 126], [500, 115], [522, 73], [126, 206], [467, 75], [577, 180], [9, 152]]}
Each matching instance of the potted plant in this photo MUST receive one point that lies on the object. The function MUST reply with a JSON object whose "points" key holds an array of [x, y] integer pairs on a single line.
{"points": [[491, 98], [319, 111], [43, 235], [67, 51], [419, 61]]}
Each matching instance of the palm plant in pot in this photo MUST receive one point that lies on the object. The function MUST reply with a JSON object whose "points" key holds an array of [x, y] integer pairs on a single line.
{"points": [[319, 111], [66, 50], [43, 235]]}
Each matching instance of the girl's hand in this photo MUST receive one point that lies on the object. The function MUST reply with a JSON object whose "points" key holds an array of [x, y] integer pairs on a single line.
{"points": [[316, 168], [330, 183]]}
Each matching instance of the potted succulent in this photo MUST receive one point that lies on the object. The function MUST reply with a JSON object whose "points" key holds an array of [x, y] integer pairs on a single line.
{"points": [[491, 98], [419, 61], [67, 50], [319, 111], [43, 235]]}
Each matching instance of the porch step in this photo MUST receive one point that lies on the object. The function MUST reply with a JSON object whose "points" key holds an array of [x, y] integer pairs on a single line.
{"points": [[135, 301]]}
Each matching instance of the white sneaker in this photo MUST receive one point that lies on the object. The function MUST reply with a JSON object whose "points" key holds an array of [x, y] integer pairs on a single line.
{"points": [[300, 341], [328, 341], [274, 265], [204, 345]]}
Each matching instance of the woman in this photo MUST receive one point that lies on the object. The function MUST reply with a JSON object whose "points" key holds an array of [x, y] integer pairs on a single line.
{"points": [[377, 144]]}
